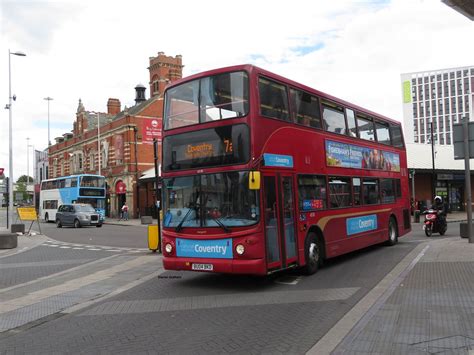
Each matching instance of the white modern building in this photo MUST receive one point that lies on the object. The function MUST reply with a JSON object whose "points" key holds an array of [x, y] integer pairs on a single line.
{"points": [[442, 96]]}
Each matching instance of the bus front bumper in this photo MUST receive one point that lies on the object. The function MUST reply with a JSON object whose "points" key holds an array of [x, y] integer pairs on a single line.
{"points": [[228, 266]]}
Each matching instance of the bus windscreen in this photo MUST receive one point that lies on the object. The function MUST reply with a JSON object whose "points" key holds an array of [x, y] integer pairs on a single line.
{"points": [[208, 99]]}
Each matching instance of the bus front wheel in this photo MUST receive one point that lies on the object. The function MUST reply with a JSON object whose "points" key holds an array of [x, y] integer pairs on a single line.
{"points": [[312, 253]]}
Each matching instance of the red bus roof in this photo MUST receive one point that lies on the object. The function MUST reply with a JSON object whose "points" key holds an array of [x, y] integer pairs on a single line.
{"points": [[251, 69]]}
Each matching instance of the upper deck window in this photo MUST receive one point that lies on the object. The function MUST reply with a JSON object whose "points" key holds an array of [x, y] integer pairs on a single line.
{"points": [[333, 116], [366, 127], [351, 123], [396, 131], [305, 108], [383, 134], [208, 99], [273, 99]]}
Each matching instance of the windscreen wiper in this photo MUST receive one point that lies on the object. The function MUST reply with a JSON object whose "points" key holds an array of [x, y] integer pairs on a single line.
{"points": [[180, 225], [220, 224]]}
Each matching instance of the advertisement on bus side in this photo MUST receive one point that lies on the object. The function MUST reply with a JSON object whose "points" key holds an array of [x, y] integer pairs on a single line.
{"points": [[352, 156]]}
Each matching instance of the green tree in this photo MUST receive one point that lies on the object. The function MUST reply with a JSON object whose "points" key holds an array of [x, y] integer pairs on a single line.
{"points": [[21, 186]]}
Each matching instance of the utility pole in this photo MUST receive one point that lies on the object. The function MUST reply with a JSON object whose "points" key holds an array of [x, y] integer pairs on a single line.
{"points": [[467, 178]]}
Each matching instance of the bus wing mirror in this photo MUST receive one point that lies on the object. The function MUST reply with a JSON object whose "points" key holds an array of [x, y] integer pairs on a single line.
{"points": [[254, 180]]}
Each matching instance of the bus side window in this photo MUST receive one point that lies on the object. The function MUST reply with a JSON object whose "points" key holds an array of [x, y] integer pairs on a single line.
{"points": [[351, 123], [273, 99], [366, 127], [305, 109], [333, 117], [312, 192], [339, 192], [371, 191], [356, 190]]}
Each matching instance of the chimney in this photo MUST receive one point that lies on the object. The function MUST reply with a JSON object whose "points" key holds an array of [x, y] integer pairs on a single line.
{"points": [[113, 106], [139, 94]]}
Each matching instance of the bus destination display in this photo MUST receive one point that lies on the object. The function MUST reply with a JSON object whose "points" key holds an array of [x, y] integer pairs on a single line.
{"points": [[210, 147]]}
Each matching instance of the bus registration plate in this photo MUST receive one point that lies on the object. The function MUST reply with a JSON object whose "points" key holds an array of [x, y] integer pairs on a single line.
{"points": [[203, 267]]}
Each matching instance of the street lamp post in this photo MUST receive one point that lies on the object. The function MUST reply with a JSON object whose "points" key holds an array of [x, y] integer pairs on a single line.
{"points": [[27, 163], [433, 181], [10, 145], [48, 99]]}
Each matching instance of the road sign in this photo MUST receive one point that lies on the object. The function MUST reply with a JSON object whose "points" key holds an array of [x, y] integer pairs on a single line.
{"points": [[458, 140], [27, 213]]}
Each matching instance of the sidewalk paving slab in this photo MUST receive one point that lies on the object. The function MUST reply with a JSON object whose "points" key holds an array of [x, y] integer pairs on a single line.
{"points": [[428, 307]]}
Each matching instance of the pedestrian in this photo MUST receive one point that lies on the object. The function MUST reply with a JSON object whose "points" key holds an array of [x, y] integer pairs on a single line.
{"points": [[125, 211]]}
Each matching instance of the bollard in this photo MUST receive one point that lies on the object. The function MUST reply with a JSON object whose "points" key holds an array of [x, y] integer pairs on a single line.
{"points": [[153, 238], [416, 214], [8, 240], [463, 230], [18, 228]]}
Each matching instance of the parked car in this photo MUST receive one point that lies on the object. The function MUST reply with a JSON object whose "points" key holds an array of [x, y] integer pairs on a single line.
{"points": [[78, 215]]}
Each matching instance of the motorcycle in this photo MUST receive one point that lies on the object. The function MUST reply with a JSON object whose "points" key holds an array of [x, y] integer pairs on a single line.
{"points": [[433, 223]]}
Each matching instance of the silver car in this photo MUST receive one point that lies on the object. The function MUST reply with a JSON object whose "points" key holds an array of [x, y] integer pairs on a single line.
{"points": [[78, 215]]}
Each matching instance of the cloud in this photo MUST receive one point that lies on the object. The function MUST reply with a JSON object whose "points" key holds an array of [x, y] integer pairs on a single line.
{"points": [[33, 24]]}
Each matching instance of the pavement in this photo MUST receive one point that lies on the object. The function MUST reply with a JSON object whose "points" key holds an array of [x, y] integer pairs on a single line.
{"points": [[128, 222], [425, 305]]}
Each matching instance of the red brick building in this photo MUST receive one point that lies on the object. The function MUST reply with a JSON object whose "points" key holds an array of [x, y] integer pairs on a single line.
{"points": [[123, 144]]}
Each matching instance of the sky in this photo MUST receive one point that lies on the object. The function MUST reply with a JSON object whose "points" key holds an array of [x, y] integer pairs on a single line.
{"points": [[95, 50]]}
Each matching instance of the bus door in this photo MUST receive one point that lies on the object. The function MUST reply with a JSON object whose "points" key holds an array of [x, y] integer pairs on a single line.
{"points": [[280, 235]]}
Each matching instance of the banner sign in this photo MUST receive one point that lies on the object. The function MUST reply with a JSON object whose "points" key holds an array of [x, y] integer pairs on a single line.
{"points": [[361, 224], [352, 156], [151, 129], [219, 248], [285, 161]]}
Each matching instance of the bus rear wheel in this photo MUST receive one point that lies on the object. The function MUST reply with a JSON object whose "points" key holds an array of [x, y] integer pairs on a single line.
{"points": [[312, 253], [392, 232]]}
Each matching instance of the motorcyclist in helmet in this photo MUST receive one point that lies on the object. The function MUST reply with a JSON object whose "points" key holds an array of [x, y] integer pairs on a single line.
{"points": [[440, 207]]}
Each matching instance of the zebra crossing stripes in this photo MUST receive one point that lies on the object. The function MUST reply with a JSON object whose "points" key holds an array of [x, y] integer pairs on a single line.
{"points": [[75, 246]]}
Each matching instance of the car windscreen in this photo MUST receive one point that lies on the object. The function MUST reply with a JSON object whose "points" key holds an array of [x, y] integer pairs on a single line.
{"points": [[84, 208]]}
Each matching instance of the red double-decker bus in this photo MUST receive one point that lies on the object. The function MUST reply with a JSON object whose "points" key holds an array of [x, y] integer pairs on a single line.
{"points": [[262, 174]]}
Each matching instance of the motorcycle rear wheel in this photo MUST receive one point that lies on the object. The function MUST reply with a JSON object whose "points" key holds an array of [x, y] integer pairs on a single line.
{"points": [[428, 230], [443, 230]]}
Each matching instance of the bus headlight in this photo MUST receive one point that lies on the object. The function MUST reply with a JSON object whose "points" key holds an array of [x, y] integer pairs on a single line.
{"points": [[168, 248], [240, 249]]}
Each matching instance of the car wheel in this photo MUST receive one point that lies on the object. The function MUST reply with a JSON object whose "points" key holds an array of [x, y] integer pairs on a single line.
{"points": [[58, 223], [99, 225], [392, 232], [46, 218], [77, 224], [313, 254]]}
